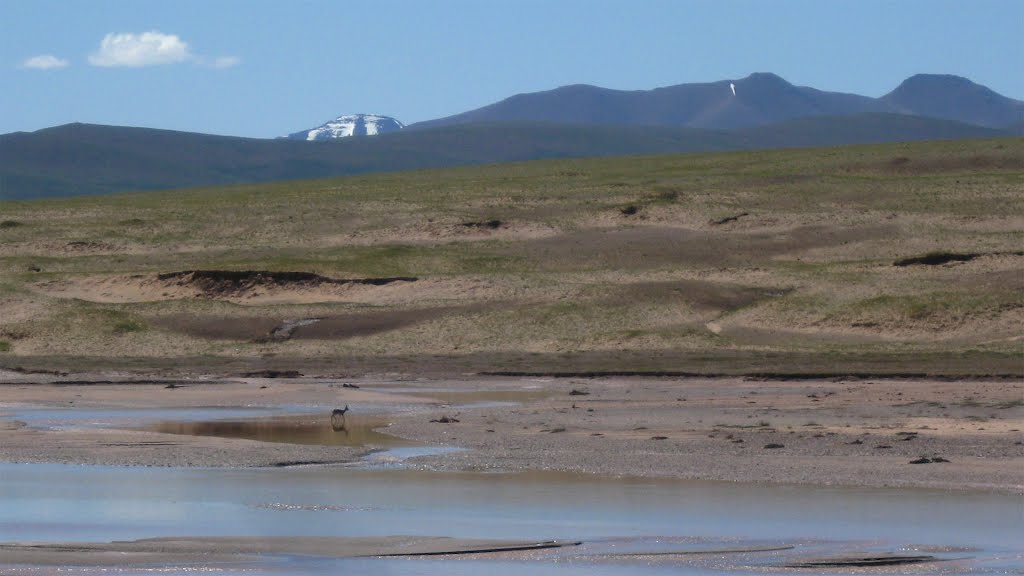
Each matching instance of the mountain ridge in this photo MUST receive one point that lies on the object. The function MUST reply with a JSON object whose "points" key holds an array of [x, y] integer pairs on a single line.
{"points": [[758, 99]]}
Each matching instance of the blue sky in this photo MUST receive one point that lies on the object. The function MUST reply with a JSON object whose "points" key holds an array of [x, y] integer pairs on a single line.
{"points": [[262, 69]]}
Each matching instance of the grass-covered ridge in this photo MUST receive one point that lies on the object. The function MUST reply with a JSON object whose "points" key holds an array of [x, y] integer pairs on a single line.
{"points": [[657, 261]]}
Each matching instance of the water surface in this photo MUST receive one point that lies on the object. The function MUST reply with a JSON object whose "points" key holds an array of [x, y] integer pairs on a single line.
{"points": [[48, 502], [381, 497]]}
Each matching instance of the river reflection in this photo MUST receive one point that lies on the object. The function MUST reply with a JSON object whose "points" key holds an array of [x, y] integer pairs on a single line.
{"points": [[356, 431], [55, 503]]}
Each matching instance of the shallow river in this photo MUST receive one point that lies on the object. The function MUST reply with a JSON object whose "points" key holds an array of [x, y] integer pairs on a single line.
{"points": [[55, 503]]}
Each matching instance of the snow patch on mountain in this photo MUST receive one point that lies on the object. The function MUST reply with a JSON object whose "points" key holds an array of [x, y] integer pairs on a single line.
{"points": [[350, 125]]}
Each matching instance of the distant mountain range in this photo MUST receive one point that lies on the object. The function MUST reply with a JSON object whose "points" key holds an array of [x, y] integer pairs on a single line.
{"points": [[757, 100], [760, 111], [79, 159]]}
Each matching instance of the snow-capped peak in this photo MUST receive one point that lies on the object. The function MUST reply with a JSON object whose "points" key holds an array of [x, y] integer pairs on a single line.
{"points": [[351, 125]]}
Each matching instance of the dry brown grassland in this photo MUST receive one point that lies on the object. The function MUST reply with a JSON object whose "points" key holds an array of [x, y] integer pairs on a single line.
{"points": [[740, 262]]}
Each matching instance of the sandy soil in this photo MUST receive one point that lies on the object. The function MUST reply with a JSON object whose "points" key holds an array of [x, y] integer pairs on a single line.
{"points": [[845, 432]]}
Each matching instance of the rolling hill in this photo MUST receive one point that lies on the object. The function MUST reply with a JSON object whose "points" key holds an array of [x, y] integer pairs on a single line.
{"points": [[954, 98], [895, 258]]}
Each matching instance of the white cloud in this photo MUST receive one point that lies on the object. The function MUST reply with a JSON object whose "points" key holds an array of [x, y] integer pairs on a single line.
{"points": [[44, 62], [138, 50]]}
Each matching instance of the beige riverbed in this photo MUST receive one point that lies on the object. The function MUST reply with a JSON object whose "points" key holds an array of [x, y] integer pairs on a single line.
{"points": [[856, 432]]}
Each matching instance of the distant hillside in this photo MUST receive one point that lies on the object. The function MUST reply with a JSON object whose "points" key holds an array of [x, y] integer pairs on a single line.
{"points": [[954, 98], [752, 101], [78, 159], [81, 159], [859, 129], [757, 100]]}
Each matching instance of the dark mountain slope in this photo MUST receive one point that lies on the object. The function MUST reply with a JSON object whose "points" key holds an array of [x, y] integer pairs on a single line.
{"points": [[90, 159], [954, 98], [869, 128], [759, 99], [79, 159]]}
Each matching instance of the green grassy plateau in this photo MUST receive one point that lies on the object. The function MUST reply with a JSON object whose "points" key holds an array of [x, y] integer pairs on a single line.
{"points": [[748, 262]]}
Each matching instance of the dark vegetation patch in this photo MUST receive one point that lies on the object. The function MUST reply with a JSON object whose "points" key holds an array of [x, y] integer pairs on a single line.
{"points": [[498, 549], [853, 561], [937, 258], [942, 257], [728, 219], [272, 374], [927, 460], [488, 224], [10, 224], [127, 327], [234, 282]]}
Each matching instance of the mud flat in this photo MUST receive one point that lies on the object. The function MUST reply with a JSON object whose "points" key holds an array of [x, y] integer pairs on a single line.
{"points": [[219, 550], [902, 432]]}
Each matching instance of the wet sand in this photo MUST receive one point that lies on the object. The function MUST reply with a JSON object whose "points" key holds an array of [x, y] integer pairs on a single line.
{"points": [[206, 553], [828, 432], [210, 550]]}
